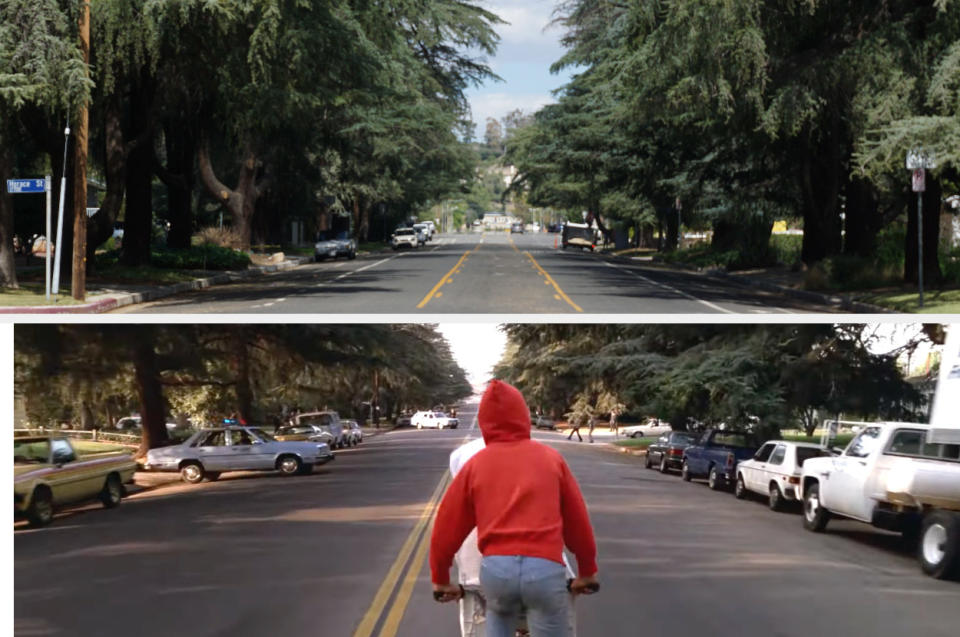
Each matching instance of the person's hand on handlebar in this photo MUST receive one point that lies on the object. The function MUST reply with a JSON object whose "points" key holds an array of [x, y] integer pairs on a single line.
{"points": [[447, 592], [584, 585]]}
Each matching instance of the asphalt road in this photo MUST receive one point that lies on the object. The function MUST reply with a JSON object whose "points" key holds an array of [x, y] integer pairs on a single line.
{"points": [[254, 555], [481, 273]]}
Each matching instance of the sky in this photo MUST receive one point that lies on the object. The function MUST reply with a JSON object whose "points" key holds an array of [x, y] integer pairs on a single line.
{"points": [[526, 51], [477, 347]]}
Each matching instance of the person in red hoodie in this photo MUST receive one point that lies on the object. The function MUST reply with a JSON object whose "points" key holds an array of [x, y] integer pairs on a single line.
{"points": [[526, 506]]}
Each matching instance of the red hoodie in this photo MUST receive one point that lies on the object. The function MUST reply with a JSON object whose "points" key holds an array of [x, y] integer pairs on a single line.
{"points": [[519, 494]]}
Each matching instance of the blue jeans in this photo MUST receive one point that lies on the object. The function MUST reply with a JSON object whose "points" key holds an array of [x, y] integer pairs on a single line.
{"points": [[514, 583]]}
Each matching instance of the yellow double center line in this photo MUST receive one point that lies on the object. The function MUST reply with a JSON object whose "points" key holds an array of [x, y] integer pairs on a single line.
{"points": [[549, 279], [419, 537], [435, 292]]}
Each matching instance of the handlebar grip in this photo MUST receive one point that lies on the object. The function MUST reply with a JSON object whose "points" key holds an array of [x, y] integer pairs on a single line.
{"points": [[592, 587]]}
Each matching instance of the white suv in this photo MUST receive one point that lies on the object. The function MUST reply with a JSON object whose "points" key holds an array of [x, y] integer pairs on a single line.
{"points": [[404, 237], [434, 419]]}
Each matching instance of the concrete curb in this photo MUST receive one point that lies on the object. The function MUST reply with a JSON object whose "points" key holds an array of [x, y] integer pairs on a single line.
{"points": [[133, 298], [842, 301]]}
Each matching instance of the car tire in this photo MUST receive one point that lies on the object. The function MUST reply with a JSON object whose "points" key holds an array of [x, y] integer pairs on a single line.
{"points": [[714, 481], [212, 476], [637, 434], [352, 255], [419, 425], [40, 512], [646, 461], [663, 464], [317, 258], [192, 473], [815, 517], [939, 545], [395, 248], [740, 488], [112, 491], [775, 498], [289, 465], [685, 472]]}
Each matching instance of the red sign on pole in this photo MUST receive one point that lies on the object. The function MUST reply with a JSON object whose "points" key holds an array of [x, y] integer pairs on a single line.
{"points": [[919, 180]]}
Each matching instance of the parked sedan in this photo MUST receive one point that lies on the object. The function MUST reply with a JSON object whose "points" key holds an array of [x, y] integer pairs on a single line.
{"points": [[775, 471], [404, 420], [667, 452], [305, 432], [433, 419], [405, 238], [331, 245], [209, 452], [542, 422]]}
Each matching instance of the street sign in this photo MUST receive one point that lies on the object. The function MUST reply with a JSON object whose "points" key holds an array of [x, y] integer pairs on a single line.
{"points": [[919, 180], [18, 186]]}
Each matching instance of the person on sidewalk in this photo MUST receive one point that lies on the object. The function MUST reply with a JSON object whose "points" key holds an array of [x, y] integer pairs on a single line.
{"points": [[526, 505], [575, 428], [593, 424], [473, 605]]}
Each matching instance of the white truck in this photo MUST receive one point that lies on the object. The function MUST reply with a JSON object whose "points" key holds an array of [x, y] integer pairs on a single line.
{"points": [[890, 476]]}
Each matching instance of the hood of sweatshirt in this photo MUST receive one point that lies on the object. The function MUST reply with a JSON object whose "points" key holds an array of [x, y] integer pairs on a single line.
{"points": [[503, 414]]}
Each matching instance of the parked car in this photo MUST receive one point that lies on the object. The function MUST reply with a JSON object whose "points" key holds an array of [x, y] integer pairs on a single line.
{"points": [[312, 433], [404, 420], [433, 419], [774, 471], [326, 420], [431, 228], [209, 452], [652, 427], [667, 452], [715, 456], [891, 477], [352, 432], [542, 422], [330, 245], [47, 475], [424, 231], [404, 238], [516, 228], [130, 424]]}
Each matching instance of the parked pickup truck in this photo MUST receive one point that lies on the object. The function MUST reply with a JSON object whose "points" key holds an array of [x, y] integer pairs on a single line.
{"points": [[891, 477], [47, 475], [715, 456]]}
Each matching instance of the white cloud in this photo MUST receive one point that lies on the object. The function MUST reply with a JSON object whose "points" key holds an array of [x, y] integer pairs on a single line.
{"points": [[526, 23]]}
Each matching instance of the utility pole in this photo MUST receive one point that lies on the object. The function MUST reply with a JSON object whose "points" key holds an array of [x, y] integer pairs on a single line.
{"points": [[78, 283]]}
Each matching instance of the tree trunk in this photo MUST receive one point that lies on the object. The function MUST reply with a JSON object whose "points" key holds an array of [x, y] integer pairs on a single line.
{"points": [[863, 218], [149, 390], [241, 202], [821, 170], [241, 370], [931, 234], [100, 226], [8, 270], [181, 147], [364, 230], [138, 225], [356, 212]]}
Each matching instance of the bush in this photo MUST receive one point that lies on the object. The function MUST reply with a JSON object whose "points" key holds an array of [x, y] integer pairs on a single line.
{"points": [[203, 257], [222, 237], [849, 272], [786, 248]]}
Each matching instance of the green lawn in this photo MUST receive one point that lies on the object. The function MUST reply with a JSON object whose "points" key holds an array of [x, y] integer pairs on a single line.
{"points": [[934, 301], [635, 443], [33, 294], [89, 447]]}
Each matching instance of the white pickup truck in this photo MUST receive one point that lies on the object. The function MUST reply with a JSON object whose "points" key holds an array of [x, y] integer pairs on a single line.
{"points": [[891, 477]]}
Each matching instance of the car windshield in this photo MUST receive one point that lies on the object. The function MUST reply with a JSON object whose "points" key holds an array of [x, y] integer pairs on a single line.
{"points": [[805, 453], [31, 451], [405, 231], [321, 420], [865, 443], [685, 439]]}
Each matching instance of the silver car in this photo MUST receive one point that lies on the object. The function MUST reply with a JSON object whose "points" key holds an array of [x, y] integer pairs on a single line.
{"points": [[209, 452], [331, 246], [352, 432]]}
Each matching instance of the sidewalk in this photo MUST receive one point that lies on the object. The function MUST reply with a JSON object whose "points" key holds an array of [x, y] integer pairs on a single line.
{"points": [[103, 298]]}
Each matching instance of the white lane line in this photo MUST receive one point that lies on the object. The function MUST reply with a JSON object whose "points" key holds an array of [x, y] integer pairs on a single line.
{"points": [[346, 274], [672, 289]]}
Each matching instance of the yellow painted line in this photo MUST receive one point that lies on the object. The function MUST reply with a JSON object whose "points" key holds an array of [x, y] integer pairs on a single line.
{"points": [[550, 281], [369, 621], [445, 279], [392, 623]]}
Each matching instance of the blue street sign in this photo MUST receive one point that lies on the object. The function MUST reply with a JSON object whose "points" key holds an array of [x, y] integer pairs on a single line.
{"points": [[17, 186]]}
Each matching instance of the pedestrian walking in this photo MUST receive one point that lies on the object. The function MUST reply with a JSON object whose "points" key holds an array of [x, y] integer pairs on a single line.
{"points": [[575, 427], [593, 423], [526, 505]]}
